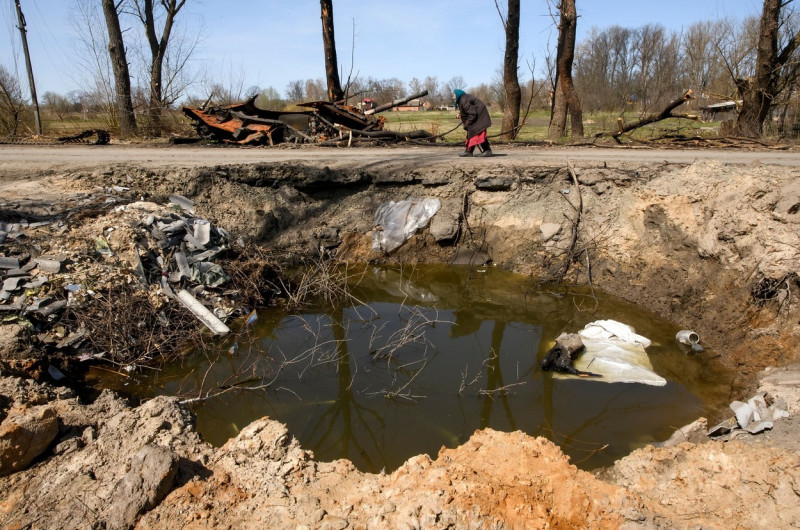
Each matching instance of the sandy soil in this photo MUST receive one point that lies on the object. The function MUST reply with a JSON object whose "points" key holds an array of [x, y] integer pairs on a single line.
{"points": [[691, 240]]}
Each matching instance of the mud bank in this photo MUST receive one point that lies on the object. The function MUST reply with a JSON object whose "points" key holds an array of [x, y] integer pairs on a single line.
{"points": [[710, 246]]}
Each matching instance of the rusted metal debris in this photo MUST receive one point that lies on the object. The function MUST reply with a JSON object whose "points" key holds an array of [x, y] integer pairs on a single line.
{"points": [[103, 137], [246, 124]]}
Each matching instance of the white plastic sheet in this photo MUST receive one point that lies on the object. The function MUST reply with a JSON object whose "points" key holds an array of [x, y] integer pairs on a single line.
{"points": [[395, 222], [617, 353]]}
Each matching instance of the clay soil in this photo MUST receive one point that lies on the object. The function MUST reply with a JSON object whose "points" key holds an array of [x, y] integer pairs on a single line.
{"points": [[709, 245]]}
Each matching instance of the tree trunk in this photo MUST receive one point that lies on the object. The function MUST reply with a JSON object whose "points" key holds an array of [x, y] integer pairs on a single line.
{"points": [[565, 97], [119, 62], [158, 50], [510, 78], [759, 92], [335, 92]]}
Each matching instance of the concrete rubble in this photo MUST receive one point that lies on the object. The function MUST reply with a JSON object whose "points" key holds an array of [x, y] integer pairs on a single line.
{"points": [[753, 416]]}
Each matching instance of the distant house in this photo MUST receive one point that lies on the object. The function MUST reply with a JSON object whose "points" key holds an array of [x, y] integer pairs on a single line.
{"points": [[720, 111], [368, 104], [415, 105]]}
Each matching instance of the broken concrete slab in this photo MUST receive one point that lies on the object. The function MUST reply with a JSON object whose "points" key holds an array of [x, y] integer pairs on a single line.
{"points": [[744, 413], [757, 427]]}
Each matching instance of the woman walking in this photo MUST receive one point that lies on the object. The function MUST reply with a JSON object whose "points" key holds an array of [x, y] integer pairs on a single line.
{"points": [[475, 117]]}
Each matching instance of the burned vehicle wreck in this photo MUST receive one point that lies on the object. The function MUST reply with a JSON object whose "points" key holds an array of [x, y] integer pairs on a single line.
{"points": [[323, 123]]}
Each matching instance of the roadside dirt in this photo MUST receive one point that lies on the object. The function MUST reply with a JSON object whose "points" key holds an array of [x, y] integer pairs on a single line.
{"points": [[708, 245]]}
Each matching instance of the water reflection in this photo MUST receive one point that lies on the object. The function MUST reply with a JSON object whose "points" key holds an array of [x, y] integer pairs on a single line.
{"points": [[434, 354]]}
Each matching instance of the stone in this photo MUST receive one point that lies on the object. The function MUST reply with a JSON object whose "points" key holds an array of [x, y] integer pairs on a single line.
{"points": [[549, 230], [474, 258], [24, 435], [150, 478], [445, 224], [695, 432], [494, 183]]}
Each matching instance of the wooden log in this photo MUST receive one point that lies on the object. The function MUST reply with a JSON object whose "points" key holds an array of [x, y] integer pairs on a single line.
{"points": [[395, 103], [652, 118]]}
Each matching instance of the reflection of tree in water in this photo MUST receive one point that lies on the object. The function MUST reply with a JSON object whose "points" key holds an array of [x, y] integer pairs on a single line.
{"points": [[494, 380], [345, 416]]}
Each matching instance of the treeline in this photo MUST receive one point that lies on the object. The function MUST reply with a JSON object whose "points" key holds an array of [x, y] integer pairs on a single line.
{"points": [[615, 69]]}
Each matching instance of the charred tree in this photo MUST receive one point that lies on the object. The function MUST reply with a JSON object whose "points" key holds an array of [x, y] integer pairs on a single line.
{"points": [[760, 91], [335, 92], [510, 77], [158, 51], [119, 63], [565, 97]]}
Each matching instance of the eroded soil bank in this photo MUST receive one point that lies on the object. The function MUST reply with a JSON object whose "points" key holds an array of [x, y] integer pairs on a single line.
{"points": [[710, 246]]}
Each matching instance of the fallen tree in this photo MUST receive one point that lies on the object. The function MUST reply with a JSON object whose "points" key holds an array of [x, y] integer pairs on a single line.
{"points": [[653, 118]]}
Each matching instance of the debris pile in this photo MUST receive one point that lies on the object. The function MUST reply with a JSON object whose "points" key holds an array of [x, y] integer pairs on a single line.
{"points": [[752, 417], [323, 123], [133, 288]]}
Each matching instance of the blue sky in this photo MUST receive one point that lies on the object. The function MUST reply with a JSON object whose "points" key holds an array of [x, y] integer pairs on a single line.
{"points": [[270, 42]]}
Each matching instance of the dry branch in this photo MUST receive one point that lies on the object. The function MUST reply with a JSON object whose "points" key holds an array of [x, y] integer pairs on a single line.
{"points": [[652, 118], [562, 270]]}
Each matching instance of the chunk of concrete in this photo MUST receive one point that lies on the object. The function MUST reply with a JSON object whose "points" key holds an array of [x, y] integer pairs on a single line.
{"points": [[744, 413], [757, 427], [549, 230], [760, 410], [445, 224], [24, 435], [494, 182], [694, 432], [150, 478]]}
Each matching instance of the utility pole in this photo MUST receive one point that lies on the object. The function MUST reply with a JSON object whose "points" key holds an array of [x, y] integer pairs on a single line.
{"points": [[23, 32]]}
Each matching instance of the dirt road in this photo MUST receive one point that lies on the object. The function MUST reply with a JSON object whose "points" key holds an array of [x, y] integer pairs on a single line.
{"points": [[16, 160]]}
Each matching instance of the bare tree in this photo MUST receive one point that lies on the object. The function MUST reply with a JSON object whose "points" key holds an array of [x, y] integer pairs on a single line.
{"points": [[295, 90], [119, 63], [12, 104], [513, 95], [93, 61], [774, 65], [565, 97], [335, 92], [145, 11], [700, 64]]}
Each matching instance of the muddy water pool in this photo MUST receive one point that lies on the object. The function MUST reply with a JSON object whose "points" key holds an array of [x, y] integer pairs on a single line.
{"points": [[424, 356]]}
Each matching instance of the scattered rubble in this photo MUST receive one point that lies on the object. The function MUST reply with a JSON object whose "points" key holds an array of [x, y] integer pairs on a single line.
{"points": [[760, 412], [137, 266]]}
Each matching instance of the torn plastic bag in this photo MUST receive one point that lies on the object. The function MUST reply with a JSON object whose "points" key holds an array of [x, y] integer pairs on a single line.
{"points": [[395, 222], [617, 353]]}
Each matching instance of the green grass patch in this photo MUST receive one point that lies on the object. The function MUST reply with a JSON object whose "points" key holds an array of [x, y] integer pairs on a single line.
{"points": [[536, 125]]}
